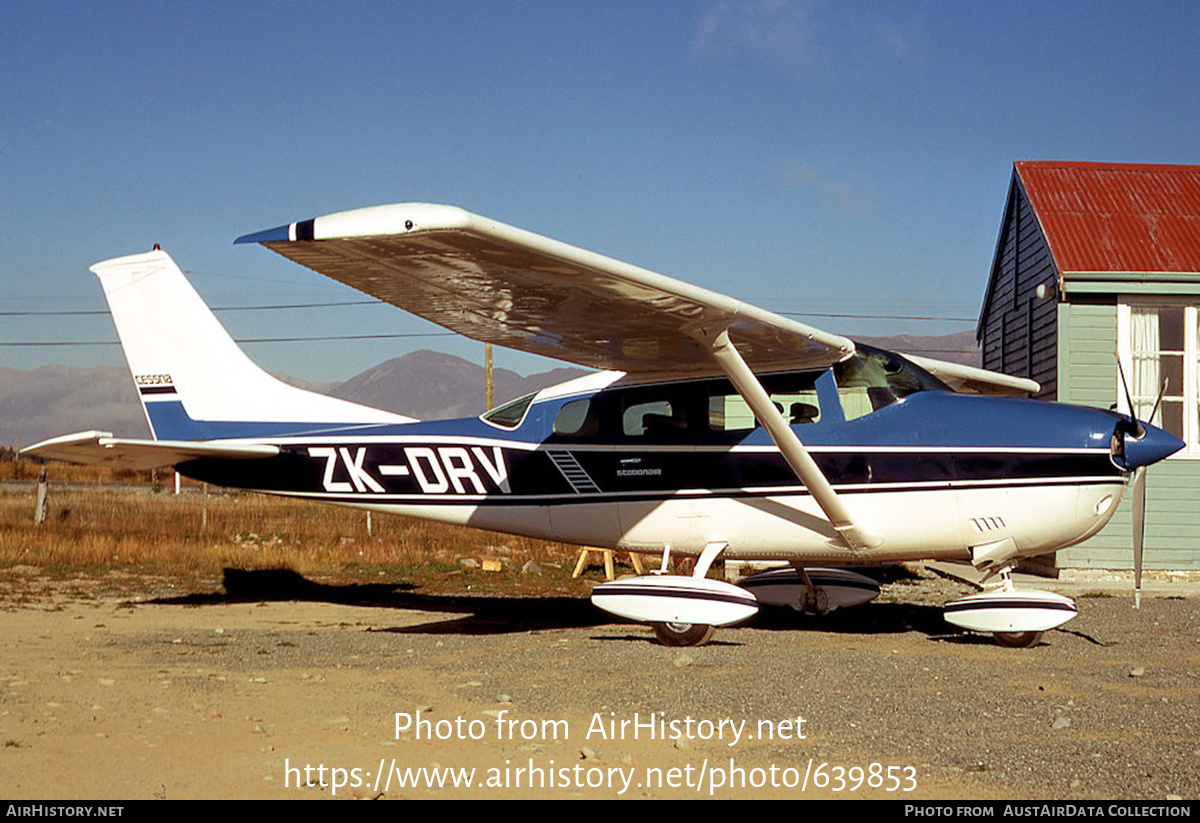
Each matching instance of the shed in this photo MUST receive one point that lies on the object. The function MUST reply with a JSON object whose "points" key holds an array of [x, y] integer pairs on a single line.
{"points": [[1097, 262]]}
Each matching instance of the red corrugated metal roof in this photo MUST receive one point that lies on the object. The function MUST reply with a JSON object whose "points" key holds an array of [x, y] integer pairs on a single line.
{"points": [[1118, 217]]}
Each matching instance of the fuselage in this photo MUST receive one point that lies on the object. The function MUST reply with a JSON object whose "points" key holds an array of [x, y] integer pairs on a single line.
{"points": [[610, 462]]}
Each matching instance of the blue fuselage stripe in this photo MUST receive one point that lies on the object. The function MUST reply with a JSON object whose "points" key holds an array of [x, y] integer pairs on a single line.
{"points": [[929, 440]]}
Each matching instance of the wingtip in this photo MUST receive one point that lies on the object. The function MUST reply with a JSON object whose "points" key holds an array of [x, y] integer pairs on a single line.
{"points": [[279, 234]]}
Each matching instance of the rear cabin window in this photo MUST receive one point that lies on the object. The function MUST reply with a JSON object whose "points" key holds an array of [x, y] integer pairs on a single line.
{"points": [[654, 419], [576, 419], [510, 415]]}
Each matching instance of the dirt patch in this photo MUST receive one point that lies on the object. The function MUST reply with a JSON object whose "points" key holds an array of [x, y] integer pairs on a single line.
{"points": [[131, 687]]}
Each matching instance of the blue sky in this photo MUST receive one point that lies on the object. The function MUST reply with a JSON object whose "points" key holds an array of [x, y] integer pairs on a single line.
{"points": [[829, 157]]}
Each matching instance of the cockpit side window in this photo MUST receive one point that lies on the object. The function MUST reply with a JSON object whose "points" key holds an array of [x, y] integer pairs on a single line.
{"points": [[794, 396]]}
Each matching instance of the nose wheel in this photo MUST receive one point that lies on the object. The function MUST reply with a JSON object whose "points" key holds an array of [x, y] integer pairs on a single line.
{"points": [[1018, 640]]}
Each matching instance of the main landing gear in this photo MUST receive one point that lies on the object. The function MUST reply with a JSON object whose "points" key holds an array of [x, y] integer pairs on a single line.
{"points": [[811, 591], [683, 610], [683, 634], [1018, 640]]}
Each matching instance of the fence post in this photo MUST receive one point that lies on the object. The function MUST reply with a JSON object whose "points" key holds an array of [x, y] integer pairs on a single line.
{"points": [[39, 514]]}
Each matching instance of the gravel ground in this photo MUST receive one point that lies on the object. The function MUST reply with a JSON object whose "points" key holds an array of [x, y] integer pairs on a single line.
{"points": [[206, 694]]}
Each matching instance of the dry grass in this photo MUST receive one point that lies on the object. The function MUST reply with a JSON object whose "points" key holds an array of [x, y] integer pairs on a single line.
{"points": [[15, 468], [95, 526]]}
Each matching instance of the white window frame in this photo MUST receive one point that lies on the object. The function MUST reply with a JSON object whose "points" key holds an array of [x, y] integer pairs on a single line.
{"points": [[1191, 356]]}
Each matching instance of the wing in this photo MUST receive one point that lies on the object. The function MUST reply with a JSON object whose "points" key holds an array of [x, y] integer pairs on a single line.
{"points": [[101, 448], [507, 286]]}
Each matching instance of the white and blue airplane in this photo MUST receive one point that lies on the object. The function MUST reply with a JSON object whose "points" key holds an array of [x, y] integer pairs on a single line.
{"points": [[713, 429]]}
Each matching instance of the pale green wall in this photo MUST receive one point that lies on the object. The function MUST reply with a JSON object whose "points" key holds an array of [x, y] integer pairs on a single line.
{"points": [[1087, 375], [1087, 354]]}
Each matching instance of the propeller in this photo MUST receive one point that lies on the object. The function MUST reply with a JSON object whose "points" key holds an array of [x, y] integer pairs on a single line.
{"points": [[1137, 489], [1137, 485]]}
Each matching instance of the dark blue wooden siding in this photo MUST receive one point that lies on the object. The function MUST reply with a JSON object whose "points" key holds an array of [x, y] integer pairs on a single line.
{"points": [[1018, 332]]}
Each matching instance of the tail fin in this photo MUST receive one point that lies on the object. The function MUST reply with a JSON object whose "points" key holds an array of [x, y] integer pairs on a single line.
{"points": [[193, 380]]}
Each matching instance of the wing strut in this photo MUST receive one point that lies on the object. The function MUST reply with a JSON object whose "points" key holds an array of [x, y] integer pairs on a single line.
{"points": [[853, 535]]}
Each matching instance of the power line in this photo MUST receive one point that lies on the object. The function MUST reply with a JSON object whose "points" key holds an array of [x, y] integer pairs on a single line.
{"points": [[336, 337], [249, 339], [344, 337], [303, 305], [275, 307], [875, 316], [83, 312], [344, 303]]}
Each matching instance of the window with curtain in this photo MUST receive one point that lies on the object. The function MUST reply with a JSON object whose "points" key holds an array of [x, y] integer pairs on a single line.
{"points": [[1160, 346]]}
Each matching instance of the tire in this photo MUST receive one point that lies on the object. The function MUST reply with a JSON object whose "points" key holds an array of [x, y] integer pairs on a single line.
{"points": [[818, 605], [683, 634], [1018, 640]]}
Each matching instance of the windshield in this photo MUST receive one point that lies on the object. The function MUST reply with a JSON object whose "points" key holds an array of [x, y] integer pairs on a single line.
{"points": [[874, 378]]}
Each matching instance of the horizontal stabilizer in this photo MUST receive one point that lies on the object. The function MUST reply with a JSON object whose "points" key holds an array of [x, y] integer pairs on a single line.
{"points": [[975, 380], [101, 448]]}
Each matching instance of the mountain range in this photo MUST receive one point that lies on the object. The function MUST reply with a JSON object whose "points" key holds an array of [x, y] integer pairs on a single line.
{"points": [[52, 400]]}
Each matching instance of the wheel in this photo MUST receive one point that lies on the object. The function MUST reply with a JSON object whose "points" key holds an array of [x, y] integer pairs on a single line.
{"points": [[816, 604], [683, 634], [1018, 640]]}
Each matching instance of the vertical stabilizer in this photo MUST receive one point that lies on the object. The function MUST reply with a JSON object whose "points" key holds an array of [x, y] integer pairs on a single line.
{"points": [[193, 380]]}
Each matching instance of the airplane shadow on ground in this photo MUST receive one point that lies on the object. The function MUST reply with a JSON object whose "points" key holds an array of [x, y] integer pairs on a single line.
{"points": [[504, 615], [479, 615]]}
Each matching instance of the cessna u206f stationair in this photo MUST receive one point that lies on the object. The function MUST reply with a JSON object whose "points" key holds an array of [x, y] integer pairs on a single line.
{"points": [[715, 429]]}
